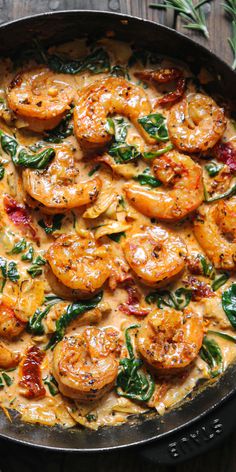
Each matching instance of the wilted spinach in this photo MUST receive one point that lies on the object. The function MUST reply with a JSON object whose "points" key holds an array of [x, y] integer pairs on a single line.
{"points": [[178, 299], [96, 62], [123, 152], [61, 131], [147, 179], [155, 126], [131, 382], [213, 168], [229, 303], [56, 224], [211, 353], [21, 157], [220, 280], [71, 313], [35, 270]]}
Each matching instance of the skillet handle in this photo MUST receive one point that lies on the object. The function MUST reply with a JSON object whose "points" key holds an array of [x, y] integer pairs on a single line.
{"points": [[193, 440]]}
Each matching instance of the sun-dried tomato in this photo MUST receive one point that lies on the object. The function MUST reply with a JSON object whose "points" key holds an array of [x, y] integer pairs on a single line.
{"points": [[31, 379], [132, 305], [226, 153], [19, 214]]}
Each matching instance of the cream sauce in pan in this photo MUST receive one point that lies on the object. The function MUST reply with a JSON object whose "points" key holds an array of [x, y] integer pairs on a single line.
{"points": [[163, 236]]}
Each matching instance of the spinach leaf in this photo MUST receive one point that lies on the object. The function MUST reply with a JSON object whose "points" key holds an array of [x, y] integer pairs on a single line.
{"points": [[19, 247], [123, 152], [118, 127], [90, 417], [116, 236], [229, 193], [9, 271], [178, 299], [29, 255], [96, 62], [52, 385], [158, 152], [147, 179], [131, 382], [71, 313], [219, 281], [20, 156], [35, 270], [223, 335], [35, 325], [12, 272], [213, 168], [61, 131], [3, 268], [207, 268], [143, 57], [2, 171], [7, 379], [93, 170], [229, 303], [56, 223], [120, 71], [155, 126], [211, 353]]}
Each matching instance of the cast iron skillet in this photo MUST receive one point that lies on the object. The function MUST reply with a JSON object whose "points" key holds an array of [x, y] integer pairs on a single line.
{"points": [[186, 430]]}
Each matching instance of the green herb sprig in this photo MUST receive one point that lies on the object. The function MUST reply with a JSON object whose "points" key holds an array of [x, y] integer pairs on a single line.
{"points": [[193, 15]]}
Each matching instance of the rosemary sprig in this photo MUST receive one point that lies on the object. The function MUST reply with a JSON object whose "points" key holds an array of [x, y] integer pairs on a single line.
{"points": [[193, 15], [230, 8]]}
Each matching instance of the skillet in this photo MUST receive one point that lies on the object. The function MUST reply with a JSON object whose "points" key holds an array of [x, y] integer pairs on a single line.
{"points": [[199, 423]]}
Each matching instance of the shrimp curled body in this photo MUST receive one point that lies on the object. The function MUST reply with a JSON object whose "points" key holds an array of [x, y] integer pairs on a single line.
{"points": [[40, 97], [155, 256], [79, 263], [103, 98], [86, 365], [196, 124], [215, 230], [10, 326], [170, 340], [8, 359], [58, 187], [182, 195]]}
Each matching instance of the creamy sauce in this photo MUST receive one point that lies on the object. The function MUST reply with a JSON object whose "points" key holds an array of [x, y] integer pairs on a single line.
{"points": [[27, 294]]}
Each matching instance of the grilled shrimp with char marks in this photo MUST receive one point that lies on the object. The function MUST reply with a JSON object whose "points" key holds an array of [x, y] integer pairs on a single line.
{"points": [[79, 262], [170, 340], [215, 230], [107, 97], [196, 123], [183, 192], [155, 255], [39, 96], [58, 187], [86, 365]]}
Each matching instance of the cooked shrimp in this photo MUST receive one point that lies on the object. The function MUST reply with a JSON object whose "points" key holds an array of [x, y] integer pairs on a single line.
{"points": [[155, 255], [10, 326], [170, 340], [58, 186], [185, 193], [79, 262], [196, 123], [39, 96], [8, 359], [103, 98], [86, 365], [215, 230]]}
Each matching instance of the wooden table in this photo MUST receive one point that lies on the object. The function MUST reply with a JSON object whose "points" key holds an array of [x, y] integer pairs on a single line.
{"points": [[18, 459]]}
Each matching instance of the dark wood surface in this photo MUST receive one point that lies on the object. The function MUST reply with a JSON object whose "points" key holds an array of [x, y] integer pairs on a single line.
{"points": [[18, 459]]}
